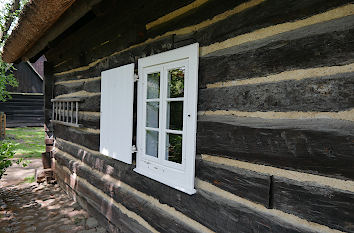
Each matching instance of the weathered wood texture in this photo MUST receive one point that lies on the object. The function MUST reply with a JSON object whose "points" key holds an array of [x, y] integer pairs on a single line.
{"points": [[321, 147], [77, 135], [129, 28], [115, 223], [318, 94], [206, 208], [90, 102], [331, 207], [265, 14], [88, 85], [23, 110], [247, 184], [307, 200], [28, 80], [329, 49], [315, 146], [48, 82]]}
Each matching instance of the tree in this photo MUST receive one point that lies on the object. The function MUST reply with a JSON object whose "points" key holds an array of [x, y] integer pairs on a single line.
{"points": [[10, 12], [8, 18]]}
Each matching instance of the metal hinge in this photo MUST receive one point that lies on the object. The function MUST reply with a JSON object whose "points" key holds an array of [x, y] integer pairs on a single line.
{"points": [[136, 77], [134, 149]]}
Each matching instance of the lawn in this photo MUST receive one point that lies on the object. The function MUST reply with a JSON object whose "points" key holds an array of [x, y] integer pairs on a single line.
{"points": [[28, 141]]}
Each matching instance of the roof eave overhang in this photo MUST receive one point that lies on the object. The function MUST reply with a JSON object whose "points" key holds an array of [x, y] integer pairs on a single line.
{"points": [[35, 20]]}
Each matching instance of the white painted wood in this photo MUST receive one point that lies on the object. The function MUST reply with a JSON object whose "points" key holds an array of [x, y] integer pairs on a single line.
{"points": [[77, 113], [178, 176], [117, 96]]}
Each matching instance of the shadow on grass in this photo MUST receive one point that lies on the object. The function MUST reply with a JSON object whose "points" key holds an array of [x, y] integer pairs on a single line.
{"points": [[28, 141]]}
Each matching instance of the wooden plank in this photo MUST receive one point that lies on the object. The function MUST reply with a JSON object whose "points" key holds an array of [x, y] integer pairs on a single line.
{"points": [[82, 137], [124, 25], [318, 146], [66, 123], [325, 94], [116, 223], [89, 86], [208, 209], [75, 99], [263, 15], [247, 184], [157, 218], [329, 49], [121, 59], [321, 204], [24, 110]]}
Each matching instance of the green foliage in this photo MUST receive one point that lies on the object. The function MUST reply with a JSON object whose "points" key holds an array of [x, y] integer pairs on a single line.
{"points": [[9, 17], [6, 79], [29, 179], [7, 152]]}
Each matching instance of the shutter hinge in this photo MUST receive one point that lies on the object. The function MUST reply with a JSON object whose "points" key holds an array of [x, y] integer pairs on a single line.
{"points": [[134, 149], [136, 77]]}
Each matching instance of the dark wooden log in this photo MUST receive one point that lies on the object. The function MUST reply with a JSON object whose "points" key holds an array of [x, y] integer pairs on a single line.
{"points": [[163, 222], [90, 102], [89, 86], [117, 223], [321, 204], [89, 121], [318, 146], [244, 183], [79, 136], [208, 209], [123, 58], [330, 49], [129, 29], [267, 14], [263, 15], [204, 12], [24, 110], [325, 94]]}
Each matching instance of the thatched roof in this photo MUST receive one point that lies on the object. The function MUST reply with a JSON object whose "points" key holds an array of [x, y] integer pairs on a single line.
{"points": [[36, 18]]}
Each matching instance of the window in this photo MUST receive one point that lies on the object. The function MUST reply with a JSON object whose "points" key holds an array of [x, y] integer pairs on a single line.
{"points": [[166, 116], [167, 111]]}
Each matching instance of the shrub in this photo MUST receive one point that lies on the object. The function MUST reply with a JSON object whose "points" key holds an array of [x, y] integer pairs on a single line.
{"points": [[7, 152]]}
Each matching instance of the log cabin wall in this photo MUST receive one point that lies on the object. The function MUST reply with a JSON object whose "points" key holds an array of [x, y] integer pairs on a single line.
{"points": [[275, 114]]}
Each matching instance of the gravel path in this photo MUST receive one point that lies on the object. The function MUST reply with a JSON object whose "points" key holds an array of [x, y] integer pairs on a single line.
{"points": [[32, 207]]}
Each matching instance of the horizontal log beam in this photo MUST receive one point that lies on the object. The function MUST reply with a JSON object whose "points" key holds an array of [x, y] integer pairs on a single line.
{"points": [[204, 208], [327, 94], [244, 183], [331, 207], [313, 146]]}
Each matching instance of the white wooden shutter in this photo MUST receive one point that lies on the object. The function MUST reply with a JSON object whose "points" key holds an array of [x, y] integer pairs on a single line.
{"points": [[117, 96]]}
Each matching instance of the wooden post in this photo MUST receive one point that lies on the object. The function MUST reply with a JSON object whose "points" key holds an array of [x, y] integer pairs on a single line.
{"points": [[2, 126], [77, 112], [71, 112]]}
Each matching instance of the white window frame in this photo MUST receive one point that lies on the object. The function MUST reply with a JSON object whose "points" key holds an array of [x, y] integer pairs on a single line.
{"points": [[178, 176]]}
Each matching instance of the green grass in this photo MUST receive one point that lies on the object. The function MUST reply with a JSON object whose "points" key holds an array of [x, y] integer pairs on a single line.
{"points": [[28, 141], [29, 179]]}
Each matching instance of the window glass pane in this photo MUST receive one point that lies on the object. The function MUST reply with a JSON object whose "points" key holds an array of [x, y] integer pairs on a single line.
{"points": [[175, 115], [175, 83], [152, 143], [153, 85], [174, 148], [152, 114]]}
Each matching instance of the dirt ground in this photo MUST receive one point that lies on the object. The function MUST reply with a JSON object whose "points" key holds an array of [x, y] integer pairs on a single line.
{"points": [[31, 207]]}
